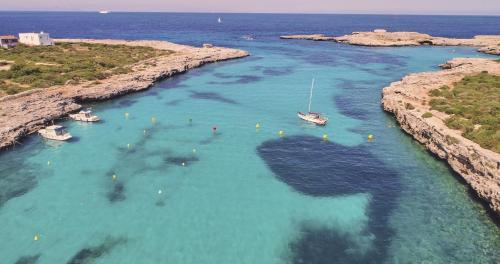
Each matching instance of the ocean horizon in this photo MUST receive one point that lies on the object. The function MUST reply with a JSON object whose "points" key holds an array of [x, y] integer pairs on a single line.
{"points": [[152, 183]]}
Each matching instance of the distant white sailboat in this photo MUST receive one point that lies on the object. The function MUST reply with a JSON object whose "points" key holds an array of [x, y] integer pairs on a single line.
{"points": [[219, 20], [312, 117], [247, 37]]}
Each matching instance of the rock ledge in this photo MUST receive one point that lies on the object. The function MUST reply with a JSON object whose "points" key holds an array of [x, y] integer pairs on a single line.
{"points": [[479, 167]]}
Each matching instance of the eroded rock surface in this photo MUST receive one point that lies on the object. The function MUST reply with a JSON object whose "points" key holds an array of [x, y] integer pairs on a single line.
{"points": [[479, 167], [316, 37]]}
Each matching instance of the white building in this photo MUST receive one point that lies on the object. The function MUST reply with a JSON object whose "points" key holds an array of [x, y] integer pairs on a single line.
{"points": [[8, 41], [36, 39]]}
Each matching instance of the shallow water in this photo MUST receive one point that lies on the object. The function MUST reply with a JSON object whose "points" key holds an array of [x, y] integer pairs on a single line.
{"points": [[244, 195]]}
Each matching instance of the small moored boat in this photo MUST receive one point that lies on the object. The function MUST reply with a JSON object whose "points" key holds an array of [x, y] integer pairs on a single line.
{"points": [[55, 132], [312, 117], [85, 116]]}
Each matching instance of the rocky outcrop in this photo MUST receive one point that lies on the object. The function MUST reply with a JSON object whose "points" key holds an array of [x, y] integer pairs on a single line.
{"points": [[382, 38], [27, 112], [385, 39], [479, 167], [315, 37]]}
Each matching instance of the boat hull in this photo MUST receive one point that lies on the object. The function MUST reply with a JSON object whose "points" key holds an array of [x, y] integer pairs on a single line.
{"points": [[312, 119], [78, 117], [51, 136]]}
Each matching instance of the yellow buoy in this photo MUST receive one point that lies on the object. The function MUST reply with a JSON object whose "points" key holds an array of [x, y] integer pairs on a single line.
{"points": [[36, 237], [281, 133], [153, 120], [370, 137], [257, 126], [113, 177], [325, 137], [126, 115]]}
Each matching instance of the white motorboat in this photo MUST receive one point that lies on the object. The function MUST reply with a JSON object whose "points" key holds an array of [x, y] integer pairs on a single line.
{"points": [[312, 117], [104, 12], [55, 132], [85, 116]]}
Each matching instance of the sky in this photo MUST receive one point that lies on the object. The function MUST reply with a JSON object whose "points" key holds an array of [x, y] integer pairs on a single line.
{"points": [[446, 7]]}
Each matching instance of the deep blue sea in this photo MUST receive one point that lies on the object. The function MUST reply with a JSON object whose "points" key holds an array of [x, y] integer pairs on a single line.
{"points": [[153, 184]]}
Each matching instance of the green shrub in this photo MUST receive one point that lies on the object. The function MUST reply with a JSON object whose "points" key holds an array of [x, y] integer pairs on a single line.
{"points": [[474, 108], [427, 115], [44, 66], [451, 140], [409, 106]]}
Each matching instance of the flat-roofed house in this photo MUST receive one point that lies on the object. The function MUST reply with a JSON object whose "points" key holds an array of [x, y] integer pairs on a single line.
{"points": [[8, 41], [36, 39]]}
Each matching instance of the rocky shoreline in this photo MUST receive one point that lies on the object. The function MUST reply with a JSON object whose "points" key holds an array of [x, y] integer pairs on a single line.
{"points": [[382, 38], [479, 167], [27, 112]]}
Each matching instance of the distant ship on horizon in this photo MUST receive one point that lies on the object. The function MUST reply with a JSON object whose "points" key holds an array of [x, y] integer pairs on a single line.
{"points": [[104, 12]]}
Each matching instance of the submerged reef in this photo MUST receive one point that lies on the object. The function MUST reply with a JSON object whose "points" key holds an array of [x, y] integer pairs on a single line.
{"points": [[138, 158], [324, 245], [315, 167], [17, 175], [116, 194], [235, 79], [90, 254], [212, 96], [28, 259]]}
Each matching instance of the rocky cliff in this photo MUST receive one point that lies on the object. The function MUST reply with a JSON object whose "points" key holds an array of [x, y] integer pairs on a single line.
{"points": [[480, 168], [27, 112]]}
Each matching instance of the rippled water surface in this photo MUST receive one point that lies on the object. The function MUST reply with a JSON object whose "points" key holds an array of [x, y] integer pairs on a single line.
{"points": [[157, 186]]}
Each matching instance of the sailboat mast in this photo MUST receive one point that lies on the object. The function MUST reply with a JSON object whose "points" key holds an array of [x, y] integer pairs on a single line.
{"points": [[311, 95]]}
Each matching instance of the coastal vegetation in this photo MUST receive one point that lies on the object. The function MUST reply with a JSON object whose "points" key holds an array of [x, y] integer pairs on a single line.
{"points": [[474, 108], [409, 106], [26, 67], [427, 115]]}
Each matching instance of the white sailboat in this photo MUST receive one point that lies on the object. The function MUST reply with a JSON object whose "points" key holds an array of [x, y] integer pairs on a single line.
{"points": [[312, 117], [219, 20]]}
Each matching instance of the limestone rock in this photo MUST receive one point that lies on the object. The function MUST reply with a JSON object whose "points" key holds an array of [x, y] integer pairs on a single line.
{"points": [[382, 38], [479, 167]]}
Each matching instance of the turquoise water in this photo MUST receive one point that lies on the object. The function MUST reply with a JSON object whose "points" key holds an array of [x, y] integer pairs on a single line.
{"points": [[183, 194]]}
